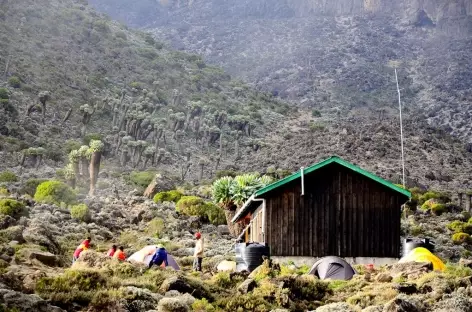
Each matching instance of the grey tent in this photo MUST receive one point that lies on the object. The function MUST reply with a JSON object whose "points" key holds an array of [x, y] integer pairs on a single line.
{"points": [[332, 268]]}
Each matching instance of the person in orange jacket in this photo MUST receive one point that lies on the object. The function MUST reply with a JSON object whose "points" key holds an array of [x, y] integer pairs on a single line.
{"points": [[83, 246], [120, 254], [112, 251]]}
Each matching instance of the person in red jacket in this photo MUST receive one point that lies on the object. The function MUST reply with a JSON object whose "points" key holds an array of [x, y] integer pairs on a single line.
{"points": [[112, 251], [120, 254], [84, 246]]}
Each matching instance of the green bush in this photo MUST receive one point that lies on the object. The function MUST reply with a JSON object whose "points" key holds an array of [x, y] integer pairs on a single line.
{"points": [[460, 227], [91, 136], [202, 306], [438, 209], [80, 212], [31, 185], [4, 191], [14, 82], [72, 145], [316, 113], [142, 178], [169, 196], [460, 238], [215, 214], [11, 207], [7, 176], [4, 94], [440, 197], [191, 206], [155, 227], [54, 192]]}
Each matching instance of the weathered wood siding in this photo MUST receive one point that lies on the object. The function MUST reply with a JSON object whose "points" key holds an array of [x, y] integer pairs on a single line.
{"points": [[342, 213]]}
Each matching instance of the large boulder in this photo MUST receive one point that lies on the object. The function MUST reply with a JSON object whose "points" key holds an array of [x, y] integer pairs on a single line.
{"points": [[160, 183], [247, 286], [46, 258], [172, 305], [25, 303], [401, 305], [186, 285], [39, 233], [337, 307], [92, 259], [455, 303], [6, 221], [411, 270]]}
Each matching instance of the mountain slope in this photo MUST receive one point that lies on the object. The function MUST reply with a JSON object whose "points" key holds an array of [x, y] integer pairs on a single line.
{"points": [[333, 54], [103, 78]]}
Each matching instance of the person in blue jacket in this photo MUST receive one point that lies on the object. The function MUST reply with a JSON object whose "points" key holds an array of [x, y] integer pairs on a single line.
{"points": [[159, 256]]}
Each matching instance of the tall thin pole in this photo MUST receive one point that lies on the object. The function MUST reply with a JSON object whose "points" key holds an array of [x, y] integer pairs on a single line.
{"points": [[401, 128]]}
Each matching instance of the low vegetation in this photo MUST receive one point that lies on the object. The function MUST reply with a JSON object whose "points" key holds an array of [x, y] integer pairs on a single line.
{"points": [[54, 192], [169, 196], [80, 212], [11, 207]]}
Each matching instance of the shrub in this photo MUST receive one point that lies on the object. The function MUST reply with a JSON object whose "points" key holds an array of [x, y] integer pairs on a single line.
{"points": [[4, 94], [14, 82], [460, 238], [142, 178], [4, 191], [74, 286], [441, 197], [191, 206], [91, 136], [202, 306], [427, 205], [155, 227], [460, 227], [11, 207], [54, 192], [72, 145], [248, 302], [316, 113], [80, 212], [215, 214], [438, 209], [7, 176], [170, 196], [31, 185], [226, 173]]}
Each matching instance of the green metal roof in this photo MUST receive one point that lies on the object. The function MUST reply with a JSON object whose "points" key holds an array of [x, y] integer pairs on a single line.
{"points": [[333, 159]]}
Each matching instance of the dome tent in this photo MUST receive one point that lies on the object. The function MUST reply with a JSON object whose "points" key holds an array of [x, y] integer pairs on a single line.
{"points": [[332, 268], [144, 256], [421, 254]]}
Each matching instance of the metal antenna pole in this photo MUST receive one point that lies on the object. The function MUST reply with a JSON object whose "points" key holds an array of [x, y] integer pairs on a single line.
{"points": [[401, 127]]}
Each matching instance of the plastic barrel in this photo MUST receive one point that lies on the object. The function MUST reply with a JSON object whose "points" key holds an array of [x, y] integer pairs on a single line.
{"points": [[411, 243], [253, 254]]}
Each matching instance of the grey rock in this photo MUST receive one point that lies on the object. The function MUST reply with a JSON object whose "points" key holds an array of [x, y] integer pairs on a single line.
{"points": [[336, 307], [400, 305], [223, 230], [46, 258], [6, 221], [41, 234], [25, 303], [247, 286]]}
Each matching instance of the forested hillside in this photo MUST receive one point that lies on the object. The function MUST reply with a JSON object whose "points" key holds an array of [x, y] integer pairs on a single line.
{"points": [[71, 74]]}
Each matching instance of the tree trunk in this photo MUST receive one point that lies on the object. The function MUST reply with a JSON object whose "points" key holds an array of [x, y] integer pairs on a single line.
{"points": [[84, 164], [69, 112], [71, 183], [76, 170], [234, 229], [94, 170], [201, 172]]}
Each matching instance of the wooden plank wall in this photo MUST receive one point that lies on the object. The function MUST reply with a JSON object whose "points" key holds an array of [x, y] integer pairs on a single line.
{"points": [[342, 213]]}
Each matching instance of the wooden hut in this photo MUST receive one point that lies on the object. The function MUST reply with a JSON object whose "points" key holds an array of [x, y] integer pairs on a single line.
{"points": [[332, 208]]}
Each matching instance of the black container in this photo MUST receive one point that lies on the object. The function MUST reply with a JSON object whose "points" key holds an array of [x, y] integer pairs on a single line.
{"points": [[411, 243], [253, 253]]}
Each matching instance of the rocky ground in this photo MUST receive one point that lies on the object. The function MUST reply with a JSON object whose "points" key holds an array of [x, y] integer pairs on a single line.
{"points": [[36, 249]]}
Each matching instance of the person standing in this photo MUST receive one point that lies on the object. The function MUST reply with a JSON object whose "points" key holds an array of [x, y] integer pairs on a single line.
{"points": [[83, 246], [198, 253]]}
